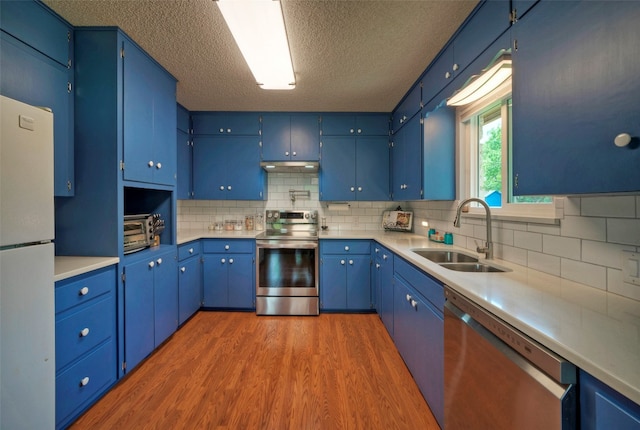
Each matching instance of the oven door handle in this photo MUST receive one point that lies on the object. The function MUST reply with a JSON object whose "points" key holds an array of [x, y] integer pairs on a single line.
{"points": [[287, 245]]}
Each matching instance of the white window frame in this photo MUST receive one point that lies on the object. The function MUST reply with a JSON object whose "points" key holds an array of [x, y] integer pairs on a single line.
{"points": [[466, 142]]}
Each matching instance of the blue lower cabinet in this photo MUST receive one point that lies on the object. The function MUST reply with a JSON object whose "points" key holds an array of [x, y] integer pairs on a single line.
{"points": [[86, 360], [602, 408], [382, 283], [345, 275], [229, 274], [418, 332], [150, 304], [189, 280]]}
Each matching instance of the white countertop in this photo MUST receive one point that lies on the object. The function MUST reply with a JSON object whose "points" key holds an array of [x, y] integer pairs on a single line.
{"points": [[67, 267], [597, 331]]}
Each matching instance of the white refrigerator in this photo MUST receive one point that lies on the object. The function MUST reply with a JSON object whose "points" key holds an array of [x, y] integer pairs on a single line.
{"points": [[27, 314]]}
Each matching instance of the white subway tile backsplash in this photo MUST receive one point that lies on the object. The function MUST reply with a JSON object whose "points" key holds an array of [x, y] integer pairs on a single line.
{"points": [[603, 253], [625, 231], [610, 206], [616, 285], [543, 262], [584, 227], [585, 273], [527, 240], [561, 246], [546, 229]]}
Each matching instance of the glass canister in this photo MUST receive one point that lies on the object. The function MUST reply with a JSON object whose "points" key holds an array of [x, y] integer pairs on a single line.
{"points": [[248, 222], [229, 224], [259, 221], [239, 225]]}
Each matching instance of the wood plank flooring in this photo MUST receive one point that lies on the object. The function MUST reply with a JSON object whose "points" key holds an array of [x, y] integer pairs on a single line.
{"points": [[236, 370]]}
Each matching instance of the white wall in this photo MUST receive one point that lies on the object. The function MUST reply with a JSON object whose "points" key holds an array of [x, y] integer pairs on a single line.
{"points": [[586, 247]]}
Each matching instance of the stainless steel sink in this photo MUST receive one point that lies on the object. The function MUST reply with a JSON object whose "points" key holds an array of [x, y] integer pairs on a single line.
{"points": [[444, 256], [473, 267]]}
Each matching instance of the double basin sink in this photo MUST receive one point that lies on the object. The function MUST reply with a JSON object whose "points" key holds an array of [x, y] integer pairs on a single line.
{"points": [[458, 261]]}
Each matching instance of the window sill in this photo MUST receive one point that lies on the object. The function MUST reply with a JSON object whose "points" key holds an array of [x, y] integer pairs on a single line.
{"points": [[533, 219]]}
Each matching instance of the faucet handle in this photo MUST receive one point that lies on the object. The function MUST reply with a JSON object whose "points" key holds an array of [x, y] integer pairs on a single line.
{"points": [[482, 249]]}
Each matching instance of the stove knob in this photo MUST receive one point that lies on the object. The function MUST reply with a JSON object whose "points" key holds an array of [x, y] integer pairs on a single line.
{"points": [[276, 214], [306, 216], [314, 215], [269, 214]]}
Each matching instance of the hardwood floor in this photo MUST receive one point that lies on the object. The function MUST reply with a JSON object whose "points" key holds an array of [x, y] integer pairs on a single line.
{"points": [[236, 370]]}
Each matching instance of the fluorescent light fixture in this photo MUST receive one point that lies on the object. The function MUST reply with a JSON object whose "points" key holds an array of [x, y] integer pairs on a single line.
{"points": [[269, 166], [309, 166], [258, 29], [481, 85]]}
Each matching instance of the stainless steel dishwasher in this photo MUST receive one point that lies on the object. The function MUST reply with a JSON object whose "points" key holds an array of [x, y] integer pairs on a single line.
{"points": [[495, 377]]}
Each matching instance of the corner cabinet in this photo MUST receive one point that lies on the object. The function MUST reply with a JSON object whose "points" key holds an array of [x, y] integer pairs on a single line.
{"points": [[36, 53], [290, 137], [345, 275], [575, 89], [229, 273], [226, 157]]}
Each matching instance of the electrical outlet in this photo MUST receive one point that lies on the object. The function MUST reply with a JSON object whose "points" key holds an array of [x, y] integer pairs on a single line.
{"points": [[631, 267]]}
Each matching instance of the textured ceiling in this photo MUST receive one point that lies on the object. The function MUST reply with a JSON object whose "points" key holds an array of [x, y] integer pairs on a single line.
{"points": [[359, 56]]}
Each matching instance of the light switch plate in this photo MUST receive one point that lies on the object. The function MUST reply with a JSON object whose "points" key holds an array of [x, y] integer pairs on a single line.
{"points": [[631, 267]]}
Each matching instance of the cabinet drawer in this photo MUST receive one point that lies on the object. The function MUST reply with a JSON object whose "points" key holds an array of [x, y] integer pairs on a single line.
{"points": [[78, 332], [98, 370], [346, 246], [228, 246], [188, 250], [82, 288], [423, 283]]}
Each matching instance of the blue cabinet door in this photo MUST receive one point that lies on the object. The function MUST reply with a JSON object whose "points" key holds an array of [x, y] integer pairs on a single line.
{"points": [[216, 280], [358, 282], [362, 124], [602, 408], [210, 158], [149, 119], [384, 285], [407, 161], [244, 174], [184, 151], [408, 107], [189, 288], [374, 124], [337, 170], [372, 168], [333, 288], [35, 79], [574, 91], [276, 137], [226, 123], [439, 151], [338, 124], [165, 296], [138, 312], [305, 137], [241, 284]]}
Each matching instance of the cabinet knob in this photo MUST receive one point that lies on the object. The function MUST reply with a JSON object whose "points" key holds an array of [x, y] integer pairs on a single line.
{"points": [[346, 248], [622, 140], [360, 189], [342, 262], [190, 250], [228, 130], [286, 153], [222, 260], [229, 187], [150, 163], [159, 261], [152, 264], [231, 261], [401, 120], [183, 269], [455, 67], [221, 187], [351, 262], [221, 130], [83, 291], [384, 256], [447, 75], [353, 189], [414, 304], [226, 247], [377, 265], [294, 153], [158, 165], [84, 332], [351, 131], [408, 298], [377, 250], [359, 131], [84, 381]]}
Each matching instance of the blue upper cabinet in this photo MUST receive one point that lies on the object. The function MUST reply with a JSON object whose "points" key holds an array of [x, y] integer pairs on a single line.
{"points": [[290, 137], [184, 145], [226, 123], [149, 119], [519, 8], [348, 124], [488, 21], [408, 107], [406, 161], [439, 164], [36, 54], [574, 90]]}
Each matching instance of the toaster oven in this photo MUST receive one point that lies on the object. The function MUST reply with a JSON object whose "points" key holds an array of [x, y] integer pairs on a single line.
{"points": [[138, 232]]}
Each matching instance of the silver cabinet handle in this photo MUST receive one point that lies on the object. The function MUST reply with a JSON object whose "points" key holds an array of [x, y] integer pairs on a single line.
{"points": [[228, 130], [221, 187], [152, 264], [229, 187], [360, 189], [221, 130], [353, 189], [159, 261], [231, 261], [377, 250], [384, 256], [414, 304], [294, 153], [190, 250], [351, 131], [150, 163], [346, 248], [447, 75], [359, 130], [408, 298], [222, 260], [158, 166], [342, 262], [226, 247], [83, 291], [286, 153], [183, 269], [84, 381], [377, 265], [351, 262], [84, 332], [455, 67]]}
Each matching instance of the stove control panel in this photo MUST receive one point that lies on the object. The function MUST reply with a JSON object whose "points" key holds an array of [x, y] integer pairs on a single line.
{"points": [[291, 217]]}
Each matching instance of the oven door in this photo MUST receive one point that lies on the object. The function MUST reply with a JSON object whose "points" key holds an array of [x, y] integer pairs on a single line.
{"points": [[287, 268]]}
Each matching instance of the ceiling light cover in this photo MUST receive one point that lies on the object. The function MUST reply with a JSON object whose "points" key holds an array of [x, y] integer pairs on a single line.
{"points": [[481, 85], [258, 29]]}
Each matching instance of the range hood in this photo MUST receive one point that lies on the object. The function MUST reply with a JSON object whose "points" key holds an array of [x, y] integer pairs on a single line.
{"points": [[290, 166]]}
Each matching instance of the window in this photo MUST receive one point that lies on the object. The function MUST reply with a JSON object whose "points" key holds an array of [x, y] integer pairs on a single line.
{"points": [[484, 140]]}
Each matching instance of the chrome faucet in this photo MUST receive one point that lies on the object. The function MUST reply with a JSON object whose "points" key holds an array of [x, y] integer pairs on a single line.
{"points": [[488, 249]]}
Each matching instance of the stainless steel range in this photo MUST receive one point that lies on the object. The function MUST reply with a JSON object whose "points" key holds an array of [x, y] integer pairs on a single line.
{"points": [[287, 264]]}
